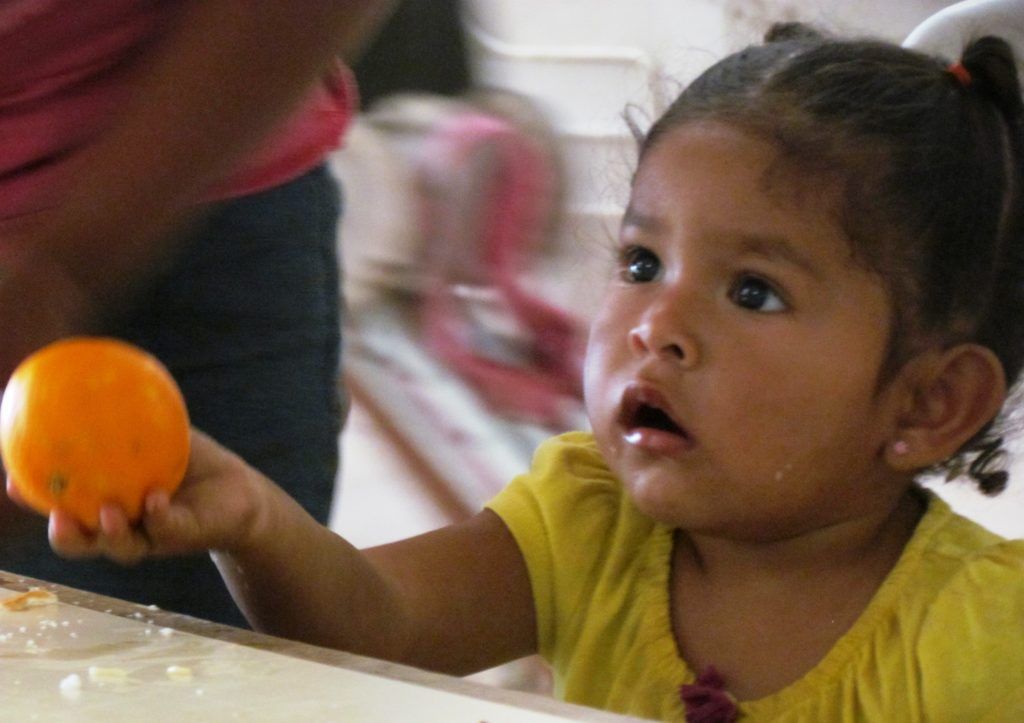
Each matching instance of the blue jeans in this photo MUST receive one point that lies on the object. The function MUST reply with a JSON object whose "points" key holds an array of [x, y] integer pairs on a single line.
{"points": [[247, 320]]}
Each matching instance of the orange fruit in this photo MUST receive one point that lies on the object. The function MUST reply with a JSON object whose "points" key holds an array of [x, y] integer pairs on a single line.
{"points": [[87, 421]]}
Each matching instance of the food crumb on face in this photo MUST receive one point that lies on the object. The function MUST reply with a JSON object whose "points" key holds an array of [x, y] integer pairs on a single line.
{"points": [[167, 632], [34, 598]]}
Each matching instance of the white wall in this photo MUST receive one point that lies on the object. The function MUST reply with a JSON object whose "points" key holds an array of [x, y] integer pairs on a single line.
{"points": [[583, 62]]}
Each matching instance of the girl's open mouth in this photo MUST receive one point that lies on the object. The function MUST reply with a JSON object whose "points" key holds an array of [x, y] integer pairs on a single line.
{"points": [[648, 421]]}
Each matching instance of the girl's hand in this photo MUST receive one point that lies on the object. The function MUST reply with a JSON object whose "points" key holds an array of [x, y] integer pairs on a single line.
{"points": [[949, 31], [219, 506]]}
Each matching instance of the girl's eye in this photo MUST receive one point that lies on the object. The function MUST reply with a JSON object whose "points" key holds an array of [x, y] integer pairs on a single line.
{"points": [[756, 294], [639, 265]]}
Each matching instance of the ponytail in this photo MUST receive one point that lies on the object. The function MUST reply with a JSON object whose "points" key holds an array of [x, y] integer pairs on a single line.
{"points": [[990, 66], [993, 72]]}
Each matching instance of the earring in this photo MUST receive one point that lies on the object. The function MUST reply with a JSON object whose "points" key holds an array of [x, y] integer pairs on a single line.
{"points": [[900, 447]]}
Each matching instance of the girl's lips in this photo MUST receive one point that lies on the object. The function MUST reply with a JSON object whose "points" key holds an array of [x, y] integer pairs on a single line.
{"points": [[657, 441], [649, 423]]}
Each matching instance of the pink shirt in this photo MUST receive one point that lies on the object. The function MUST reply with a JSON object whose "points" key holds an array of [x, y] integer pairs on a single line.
{"points": [[63, 67]]}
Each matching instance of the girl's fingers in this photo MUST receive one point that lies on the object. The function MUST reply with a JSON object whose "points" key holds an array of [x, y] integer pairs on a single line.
{"points": [[113, 523], [14, 494], [69, 539], [172, 528], [156, 503], [119, 539], [165, 529], [116, 538]]}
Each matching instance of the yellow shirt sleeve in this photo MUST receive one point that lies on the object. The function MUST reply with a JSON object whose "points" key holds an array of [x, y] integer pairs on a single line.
{"points": [[971, 644], [560, 514], [599, 571]]}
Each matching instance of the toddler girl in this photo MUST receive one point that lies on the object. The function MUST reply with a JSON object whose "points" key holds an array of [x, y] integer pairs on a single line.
{"points": [[817, 298]]}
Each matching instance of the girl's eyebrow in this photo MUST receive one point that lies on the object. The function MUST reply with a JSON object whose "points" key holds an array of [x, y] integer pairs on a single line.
{"points": [[772, 248], [776, 248]]}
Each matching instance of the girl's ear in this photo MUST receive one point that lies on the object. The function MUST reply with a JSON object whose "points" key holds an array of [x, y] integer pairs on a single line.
{"points": [[949, 396]]}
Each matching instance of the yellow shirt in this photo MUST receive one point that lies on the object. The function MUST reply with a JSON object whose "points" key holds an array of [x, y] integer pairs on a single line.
{"points": [[942, 640]]}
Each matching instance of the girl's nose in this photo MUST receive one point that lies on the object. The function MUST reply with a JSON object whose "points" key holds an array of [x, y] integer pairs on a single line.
{"points": [[660, 332]]}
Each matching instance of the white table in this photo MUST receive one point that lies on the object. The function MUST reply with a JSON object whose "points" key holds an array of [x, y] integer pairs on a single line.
{"points": [[93, 658]]}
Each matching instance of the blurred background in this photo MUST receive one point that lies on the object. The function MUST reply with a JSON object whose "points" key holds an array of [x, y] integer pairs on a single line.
{"points": [[484, 179]]}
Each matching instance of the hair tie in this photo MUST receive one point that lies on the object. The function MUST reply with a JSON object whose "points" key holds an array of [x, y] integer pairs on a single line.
{"points": [[962, 74]]}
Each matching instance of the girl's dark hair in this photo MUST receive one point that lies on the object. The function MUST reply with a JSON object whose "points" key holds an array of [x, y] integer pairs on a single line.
{"points": [[930, 171]]}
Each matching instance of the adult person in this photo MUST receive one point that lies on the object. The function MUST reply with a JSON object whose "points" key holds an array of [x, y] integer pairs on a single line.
{"points": [[162, 180]]}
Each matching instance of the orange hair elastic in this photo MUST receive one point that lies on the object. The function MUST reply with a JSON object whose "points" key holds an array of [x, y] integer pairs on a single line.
{"points": [[962, 74]]}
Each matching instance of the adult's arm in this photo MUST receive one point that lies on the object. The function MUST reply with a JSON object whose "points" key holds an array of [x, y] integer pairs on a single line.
{"points": [[223, 77]]}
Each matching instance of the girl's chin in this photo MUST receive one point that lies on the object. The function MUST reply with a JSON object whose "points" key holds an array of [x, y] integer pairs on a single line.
{"points": [[664, 500]]}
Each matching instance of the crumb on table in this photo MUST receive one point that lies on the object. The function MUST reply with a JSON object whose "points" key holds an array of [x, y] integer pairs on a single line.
{"points": [[32, 599]]}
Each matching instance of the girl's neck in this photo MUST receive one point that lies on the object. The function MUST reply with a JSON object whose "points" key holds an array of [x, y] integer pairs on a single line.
{"points": [[875, 538], [765, 614]]}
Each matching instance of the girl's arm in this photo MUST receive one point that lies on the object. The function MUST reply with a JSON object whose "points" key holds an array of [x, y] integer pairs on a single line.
{"points": [[224, 76], [456, 600]]}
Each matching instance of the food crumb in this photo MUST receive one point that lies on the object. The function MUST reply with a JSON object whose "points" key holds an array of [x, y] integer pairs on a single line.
{"points": [[179, 672], [34, 598], [107, 675], [167, 632], [71, 686]]}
